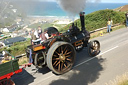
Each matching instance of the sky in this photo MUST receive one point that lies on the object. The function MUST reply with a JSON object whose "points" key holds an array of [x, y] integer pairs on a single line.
{"points": [[102, 1]]}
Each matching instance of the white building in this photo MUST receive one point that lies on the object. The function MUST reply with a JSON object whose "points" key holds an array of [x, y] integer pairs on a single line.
{"points": [[5, 30]]}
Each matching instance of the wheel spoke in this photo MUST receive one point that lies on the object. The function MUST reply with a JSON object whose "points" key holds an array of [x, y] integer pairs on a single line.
{"points": [[68, 59], [56, 58], [7, 82], [65, 65], [62, 65], [65, 48], [96, 46], [69, 52], [54, 63], [95, 43], [57, 53], [59, 67], [58, 63], [65, 52], [61, 50], [67, 56]]}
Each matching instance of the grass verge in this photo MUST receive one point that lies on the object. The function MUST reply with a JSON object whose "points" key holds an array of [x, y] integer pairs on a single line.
{"points": [[23, 60], [120, 80], [97, 34]]}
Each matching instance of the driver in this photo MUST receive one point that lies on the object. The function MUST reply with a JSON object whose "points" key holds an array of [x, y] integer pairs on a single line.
{"points": [[44, 36]]}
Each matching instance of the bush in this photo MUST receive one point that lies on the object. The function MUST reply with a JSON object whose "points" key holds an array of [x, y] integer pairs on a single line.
{"points": [[99, 19], [17, 48]]}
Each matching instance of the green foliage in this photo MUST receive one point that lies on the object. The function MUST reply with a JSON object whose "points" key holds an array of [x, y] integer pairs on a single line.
{"points": [[17, 48], [93, 21], [43, 26], [99, 19]]}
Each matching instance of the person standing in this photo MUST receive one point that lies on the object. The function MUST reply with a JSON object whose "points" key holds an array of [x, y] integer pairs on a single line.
{"points": [[109, 25], [34, 37], [39, 31], [126, 19]]}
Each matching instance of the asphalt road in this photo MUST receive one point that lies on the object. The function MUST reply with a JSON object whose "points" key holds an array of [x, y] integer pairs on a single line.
{"points": [[111, 62]]}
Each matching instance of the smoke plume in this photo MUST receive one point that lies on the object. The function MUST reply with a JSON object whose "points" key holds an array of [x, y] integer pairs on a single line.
{"points": [[74, 7]]}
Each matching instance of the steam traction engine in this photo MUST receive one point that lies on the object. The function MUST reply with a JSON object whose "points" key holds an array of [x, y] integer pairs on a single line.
{"points": [[59, 52]]}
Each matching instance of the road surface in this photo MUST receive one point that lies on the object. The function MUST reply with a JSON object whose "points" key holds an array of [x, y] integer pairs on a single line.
{"points": [[111, 62]]}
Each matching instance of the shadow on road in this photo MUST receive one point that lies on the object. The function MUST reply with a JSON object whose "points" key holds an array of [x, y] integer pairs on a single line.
{"points": [[84, 74], [44, 70], [23, 78], [81, 75]]}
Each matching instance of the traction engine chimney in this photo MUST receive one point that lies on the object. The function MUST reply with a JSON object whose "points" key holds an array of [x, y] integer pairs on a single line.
{"points": [[82, 21]]}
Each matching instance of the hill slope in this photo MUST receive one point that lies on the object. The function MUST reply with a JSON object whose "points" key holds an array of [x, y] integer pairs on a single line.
{"points": [[99, 19], [122, 8], [9, 12]]}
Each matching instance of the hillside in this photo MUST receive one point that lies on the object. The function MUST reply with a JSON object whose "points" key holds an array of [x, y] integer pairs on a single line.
{"points": [[93, 21], [99, 19], [122, 8], [9, 13]]}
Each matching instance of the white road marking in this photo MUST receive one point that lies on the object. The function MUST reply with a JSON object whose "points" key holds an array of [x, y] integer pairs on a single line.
{"points": [[83, 62], [108, 50], [95, 56]]}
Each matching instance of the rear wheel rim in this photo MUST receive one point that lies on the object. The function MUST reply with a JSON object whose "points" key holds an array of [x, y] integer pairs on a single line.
{"points": [[40, 59], [7, 82], [63, 58]]}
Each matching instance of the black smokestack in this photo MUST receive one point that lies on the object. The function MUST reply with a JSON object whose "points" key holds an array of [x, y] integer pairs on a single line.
{"points": [[82, 21]]}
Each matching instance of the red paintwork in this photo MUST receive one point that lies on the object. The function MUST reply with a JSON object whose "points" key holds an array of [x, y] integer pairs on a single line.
{"points": [[10, 74], [43, 47], [25, 65]]}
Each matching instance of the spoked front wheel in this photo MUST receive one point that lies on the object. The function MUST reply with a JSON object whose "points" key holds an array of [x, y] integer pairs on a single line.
{"points": [[93, 48], [61, 57]]}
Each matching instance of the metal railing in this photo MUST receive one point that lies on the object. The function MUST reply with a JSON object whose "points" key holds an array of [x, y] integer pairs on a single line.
{"points": [[103, 28]]}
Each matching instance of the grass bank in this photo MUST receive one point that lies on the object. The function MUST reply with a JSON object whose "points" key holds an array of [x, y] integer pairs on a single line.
{"points": [[119, 80], [99, 19], [97, 34]]}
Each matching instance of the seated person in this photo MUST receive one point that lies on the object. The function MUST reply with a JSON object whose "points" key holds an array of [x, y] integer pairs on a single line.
{"points": [[47, 36], [35, 38], [44, 36], [6, 58], [39, 30]]}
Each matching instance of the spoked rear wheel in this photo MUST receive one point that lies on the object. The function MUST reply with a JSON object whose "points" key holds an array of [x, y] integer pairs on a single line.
{"points": [[39, 59], [7, 82], [61, 57], [93, 48]]}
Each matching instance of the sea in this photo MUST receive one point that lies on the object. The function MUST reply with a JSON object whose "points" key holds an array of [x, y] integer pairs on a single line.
{"points": [[49, 9]]}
